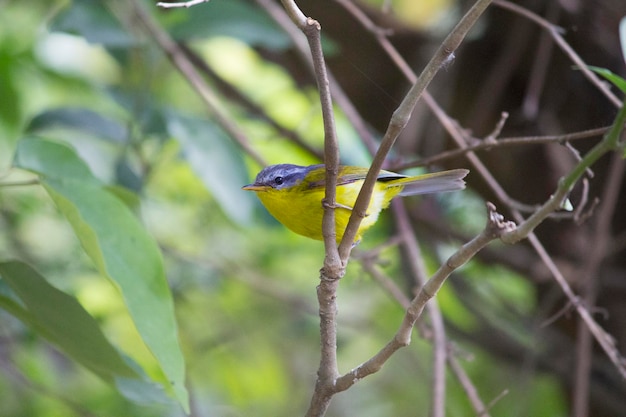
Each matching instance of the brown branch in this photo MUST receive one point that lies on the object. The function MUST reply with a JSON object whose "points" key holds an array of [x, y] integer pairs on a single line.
{"points": [[555, 32], [333, 268], [229, 90], [401, 116], [418, 271], [539, 70], [281, 18], [468, 387], [504, 143], [496, 226], [193, 77], [390, 286], [590, 275]]}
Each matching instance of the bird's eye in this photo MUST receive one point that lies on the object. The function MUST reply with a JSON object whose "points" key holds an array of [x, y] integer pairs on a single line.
{"points": [[279, 180]]}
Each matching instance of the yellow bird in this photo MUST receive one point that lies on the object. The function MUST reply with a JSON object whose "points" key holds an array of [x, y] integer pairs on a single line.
{"points": [[293, 194]]}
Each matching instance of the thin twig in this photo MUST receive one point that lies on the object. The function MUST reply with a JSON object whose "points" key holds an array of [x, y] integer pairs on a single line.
{"points": [[468, 387], [182, 63], [539, 70], [526, 227], [556, 34], [386, 283], [590, 275], [339, 95], [229, 90], [418, 271], [495, 227], [185, 4], [401, 116], [504, 143]]}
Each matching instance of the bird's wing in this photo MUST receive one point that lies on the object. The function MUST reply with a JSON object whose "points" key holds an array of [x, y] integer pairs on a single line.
{"points": [[355, 174]]}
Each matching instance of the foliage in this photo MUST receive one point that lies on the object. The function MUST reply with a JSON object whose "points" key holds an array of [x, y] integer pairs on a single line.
{"points": [[134, 272]]}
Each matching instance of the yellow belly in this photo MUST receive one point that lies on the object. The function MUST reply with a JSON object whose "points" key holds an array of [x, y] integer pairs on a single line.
{"points": [[301, 210]]}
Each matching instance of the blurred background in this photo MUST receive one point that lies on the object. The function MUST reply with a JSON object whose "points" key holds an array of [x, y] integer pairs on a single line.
{"points": [[92, 75]]}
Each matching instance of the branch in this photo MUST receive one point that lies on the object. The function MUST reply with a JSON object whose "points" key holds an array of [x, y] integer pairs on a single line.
{"points": [[504, 143], [496, 227], [555, 202], [187, 69], [227, 89], [610, 143], [339, 95], [599, 242], [401, 116], [418, 271], [333, 268], [185, 4], [555, 32]]}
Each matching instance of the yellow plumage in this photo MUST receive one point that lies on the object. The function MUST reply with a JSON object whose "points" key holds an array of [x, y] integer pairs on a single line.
{"points": [[293, 194]]}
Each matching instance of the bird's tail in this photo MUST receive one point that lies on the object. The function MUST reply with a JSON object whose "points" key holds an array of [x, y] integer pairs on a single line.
{"points": [[436, 182]]}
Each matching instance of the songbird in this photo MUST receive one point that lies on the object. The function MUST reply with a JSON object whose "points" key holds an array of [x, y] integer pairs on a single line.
{"points": [[293, 194]]}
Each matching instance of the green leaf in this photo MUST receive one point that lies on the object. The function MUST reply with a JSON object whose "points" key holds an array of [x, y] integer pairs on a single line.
{"points": [[10, 107], [80, 119], [217, 162], [118, 245], [617, 81], [62, 320], [92, 20], [51, 159], [232, 18]]}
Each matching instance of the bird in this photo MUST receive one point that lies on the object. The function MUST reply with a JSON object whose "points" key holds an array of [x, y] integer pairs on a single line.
{"points": [[293, 194]]}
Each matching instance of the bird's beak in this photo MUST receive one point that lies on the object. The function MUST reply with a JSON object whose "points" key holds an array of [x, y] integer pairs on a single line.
{"points": [[255, 187]]}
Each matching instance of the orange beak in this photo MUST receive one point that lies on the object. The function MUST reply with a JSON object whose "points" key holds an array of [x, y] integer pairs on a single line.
{"points": [[254, 187]]}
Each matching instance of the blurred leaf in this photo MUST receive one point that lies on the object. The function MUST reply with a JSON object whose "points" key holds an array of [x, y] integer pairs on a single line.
{"points": [[216, 161], [127, 176], [147, 114], [126, 196], [616, 80], [81, 119], [51, 159], [62, 320], [124, 252], [232, 18], [10, 110], [92, 20], [117, 244]]}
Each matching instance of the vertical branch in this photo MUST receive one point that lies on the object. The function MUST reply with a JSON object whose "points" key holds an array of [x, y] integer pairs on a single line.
{"points": [[339, 95], [333, 268], [590, 276], [418, 271]]}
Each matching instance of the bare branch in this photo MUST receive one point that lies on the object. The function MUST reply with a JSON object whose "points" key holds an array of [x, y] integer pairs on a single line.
{"points": [[182, 64], [185, 4], [468, 387], [505, 143], [401, 116], [555, 32], [418, 271], [599, 243], [496, 226]]}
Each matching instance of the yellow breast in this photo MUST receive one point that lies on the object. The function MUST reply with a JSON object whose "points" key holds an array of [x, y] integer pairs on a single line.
{"points": [[300, 208]]}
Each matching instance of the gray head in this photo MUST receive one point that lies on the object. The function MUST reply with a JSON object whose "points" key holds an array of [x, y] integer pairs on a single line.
{"points": [[279, 176]]}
